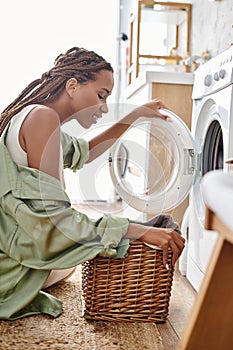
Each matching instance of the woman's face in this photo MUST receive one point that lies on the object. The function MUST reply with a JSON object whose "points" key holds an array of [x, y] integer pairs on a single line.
{"points": [[89, 100]]}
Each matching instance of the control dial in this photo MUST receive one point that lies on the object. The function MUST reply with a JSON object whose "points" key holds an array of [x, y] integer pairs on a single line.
{"points": [[216, 76], [222, 73], [208, 80]]}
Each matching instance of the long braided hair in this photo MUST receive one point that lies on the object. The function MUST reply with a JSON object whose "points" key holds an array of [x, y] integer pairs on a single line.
{"points": [[77, 63]]}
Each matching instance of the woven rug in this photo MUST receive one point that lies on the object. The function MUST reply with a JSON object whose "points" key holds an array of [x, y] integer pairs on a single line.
{"points": [[72, 331]]}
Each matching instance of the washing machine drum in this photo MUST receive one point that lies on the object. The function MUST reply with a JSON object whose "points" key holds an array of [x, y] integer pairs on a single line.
{"points": [[152, 164]]}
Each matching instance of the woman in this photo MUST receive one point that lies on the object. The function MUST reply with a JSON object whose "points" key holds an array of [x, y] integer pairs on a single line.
{"points": [[42, 238]]}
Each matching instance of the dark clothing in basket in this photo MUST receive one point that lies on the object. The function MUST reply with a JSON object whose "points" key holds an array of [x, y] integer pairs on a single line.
{"points": [[162, 220]]}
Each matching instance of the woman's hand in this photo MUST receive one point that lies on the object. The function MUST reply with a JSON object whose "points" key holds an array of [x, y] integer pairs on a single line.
{"points": [[151, 109], [103, 141], [164, 238]]}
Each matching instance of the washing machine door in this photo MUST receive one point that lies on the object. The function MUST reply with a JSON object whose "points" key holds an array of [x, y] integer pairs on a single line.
{"points": [[152, 165]]}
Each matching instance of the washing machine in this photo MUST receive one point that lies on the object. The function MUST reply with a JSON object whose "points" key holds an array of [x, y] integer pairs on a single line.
{"points": [[212, 130], [157, 181]]}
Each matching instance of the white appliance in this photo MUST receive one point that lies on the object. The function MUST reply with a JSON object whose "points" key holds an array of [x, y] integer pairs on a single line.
{"points": [[212, 130], [158, 182]]}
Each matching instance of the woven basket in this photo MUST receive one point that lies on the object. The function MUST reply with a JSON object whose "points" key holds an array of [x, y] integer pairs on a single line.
{"points": [[136, 288]]}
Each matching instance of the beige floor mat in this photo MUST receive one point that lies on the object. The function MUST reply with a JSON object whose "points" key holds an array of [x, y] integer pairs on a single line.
{"points": [[72, 331]]}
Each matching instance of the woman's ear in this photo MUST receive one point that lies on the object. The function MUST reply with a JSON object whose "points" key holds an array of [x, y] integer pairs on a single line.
{"points": [[71, 86]]}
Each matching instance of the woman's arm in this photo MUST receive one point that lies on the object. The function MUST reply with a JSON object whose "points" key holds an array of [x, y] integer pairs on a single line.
{"points": [[164, 238], [106, 139]]}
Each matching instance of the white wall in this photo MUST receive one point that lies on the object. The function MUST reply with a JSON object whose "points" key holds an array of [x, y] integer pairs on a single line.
{"points": [[35, 32], [211, 26]]}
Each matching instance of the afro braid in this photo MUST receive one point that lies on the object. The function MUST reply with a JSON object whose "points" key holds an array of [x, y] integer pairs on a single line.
{"points": [[78, 63]]}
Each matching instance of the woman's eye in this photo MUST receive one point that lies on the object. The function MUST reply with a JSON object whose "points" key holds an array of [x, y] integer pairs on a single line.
{"points": [[100, 97]]}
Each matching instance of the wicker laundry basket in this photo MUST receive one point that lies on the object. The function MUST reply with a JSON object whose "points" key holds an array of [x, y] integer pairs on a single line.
{"points": [[136, 288]]}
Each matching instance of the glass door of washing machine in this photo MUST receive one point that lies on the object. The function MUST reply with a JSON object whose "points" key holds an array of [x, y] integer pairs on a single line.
{"points": [[211, 146], [153, 164]]}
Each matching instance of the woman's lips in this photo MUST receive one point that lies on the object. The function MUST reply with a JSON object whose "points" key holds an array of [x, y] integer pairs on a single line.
{"points": [[96, 117]]}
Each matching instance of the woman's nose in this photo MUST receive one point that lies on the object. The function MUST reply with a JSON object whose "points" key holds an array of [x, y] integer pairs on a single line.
{"points": [[104, 108]]}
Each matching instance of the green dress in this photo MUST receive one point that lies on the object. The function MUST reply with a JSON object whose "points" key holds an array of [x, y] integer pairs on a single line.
{"points": [[40, 232]]}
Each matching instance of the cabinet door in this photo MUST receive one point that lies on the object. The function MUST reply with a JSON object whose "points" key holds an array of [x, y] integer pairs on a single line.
{"points": [[176, 97]]}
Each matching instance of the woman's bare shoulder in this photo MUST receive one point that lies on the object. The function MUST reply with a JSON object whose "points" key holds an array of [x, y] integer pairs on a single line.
{"points": [[42, 114], [41, 119], [40, 139]]}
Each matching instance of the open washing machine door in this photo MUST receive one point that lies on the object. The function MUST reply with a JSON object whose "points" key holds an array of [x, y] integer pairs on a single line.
{"points": [[153, 164]]}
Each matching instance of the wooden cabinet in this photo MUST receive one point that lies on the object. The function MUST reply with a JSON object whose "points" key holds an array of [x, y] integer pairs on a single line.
{"points": [[177, 98], [210, 322]]}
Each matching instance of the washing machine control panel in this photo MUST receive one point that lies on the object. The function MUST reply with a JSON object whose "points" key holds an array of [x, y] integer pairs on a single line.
{"points": [[214, 75], [208, 80]]}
